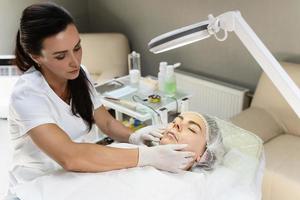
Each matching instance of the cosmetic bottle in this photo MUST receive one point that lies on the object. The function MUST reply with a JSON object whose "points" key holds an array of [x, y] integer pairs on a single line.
{"points": [[170, 82]]}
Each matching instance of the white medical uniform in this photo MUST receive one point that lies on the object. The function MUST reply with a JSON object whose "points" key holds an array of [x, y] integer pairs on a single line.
{"points": [[33, 103]]}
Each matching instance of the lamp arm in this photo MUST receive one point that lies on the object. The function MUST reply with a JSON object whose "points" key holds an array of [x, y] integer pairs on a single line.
{"points": [[233, 21]]}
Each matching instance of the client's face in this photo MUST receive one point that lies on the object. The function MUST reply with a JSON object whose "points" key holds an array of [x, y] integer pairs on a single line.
{"points": [[187, 128]]}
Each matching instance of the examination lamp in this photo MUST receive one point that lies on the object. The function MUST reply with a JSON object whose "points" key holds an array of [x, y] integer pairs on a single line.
{"points": [[233, 21]]}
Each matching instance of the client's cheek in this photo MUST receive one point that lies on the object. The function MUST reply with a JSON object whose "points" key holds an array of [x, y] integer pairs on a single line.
{"points": [[188, 148]]}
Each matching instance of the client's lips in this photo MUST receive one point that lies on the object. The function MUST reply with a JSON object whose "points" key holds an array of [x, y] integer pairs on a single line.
{"points": [[173, 135]]}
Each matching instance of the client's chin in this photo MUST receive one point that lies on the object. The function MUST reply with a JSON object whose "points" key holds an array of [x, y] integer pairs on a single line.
{"points": [[166, 140]]}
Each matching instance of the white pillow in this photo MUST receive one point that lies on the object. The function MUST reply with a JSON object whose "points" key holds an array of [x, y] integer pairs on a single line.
{"points": [[244, 152], [240, 139]]}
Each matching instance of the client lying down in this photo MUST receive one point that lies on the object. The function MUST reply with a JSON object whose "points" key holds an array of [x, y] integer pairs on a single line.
{"points": [[202, 136]]}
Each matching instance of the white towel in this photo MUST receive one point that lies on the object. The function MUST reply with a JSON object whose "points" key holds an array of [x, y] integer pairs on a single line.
{"points": [[136, 184]]}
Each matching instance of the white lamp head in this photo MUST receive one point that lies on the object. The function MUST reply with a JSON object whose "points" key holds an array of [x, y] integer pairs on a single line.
{"points": [[180, 37]]}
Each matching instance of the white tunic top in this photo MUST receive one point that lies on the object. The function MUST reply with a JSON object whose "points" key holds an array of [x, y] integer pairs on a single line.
{"points": [[33, 103]]}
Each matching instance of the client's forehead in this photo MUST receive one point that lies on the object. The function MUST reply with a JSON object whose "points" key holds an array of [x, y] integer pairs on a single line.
{"points": [[193, 117]]}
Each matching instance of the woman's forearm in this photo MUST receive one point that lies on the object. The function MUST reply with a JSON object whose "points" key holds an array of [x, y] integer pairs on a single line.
{"points": [[118, 131], [85, 157], [97, 158]]}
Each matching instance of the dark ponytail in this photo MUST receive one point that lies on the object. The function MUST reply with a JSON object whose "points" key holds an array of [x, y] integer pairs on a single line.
{"points": [[38, 22], [23, 60], [81, 100]]}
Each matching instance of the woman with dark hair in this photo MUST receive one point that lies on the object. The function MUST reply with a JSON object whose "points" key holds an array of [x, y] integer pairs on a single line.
{"points": [[54, 103]]}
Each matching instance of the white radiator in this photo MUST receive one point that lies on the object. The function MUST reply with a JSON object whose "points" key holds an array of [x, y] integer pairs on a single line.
{"points": [[212, 97]]}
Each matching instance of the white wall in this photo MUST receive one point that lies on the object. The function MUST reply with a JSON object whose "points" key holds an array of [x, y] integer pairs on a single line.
{"points": [[11, 10], [10, 13], [79, 11]]}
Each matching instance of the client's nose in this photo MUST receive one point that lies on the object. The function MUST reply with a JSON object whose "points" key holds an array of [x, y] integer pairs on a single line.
{"points": [[177, 127]]}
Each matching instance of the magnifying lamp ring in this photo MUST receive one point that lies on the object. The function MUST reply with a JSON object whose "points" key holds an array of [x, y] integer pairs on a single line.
{"points": [[223, 38]]}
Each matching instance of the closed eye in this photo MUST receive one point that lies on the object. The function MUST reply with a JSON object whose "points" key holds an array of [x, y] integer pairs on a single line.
{"points": [[192, 130]]}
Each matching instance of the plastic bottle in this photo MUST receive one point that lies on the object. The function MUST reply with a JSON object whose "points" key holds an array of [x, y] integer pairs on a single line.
{"points": [[134, 65], [134, 61], [170, 82], [162, 75]]}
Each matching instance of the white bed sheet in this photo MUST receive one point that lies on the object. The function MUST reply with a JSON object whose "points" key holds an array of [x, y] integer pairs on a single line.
{"points": [[136, 184], [141, 183]]}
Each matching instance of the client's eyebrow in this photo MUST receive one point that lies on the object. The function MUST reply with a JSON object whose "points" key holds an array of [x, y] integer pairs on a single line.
{"points": [[191, 122]]}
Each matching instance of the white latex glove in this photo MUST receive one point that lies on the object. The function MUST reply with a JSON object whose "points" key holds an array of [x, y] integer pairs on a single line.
{"points": [[166, 157], [148, 133]]}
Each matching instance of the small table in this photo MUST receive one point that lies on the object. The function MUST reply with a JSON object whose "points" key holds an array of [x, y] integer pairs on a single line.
{"points": [[157, 112]]}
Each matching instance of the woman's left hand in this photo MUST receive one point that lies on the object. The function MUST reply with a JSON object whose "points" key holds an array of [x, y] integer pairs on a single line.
{"points": [[148, 133]]}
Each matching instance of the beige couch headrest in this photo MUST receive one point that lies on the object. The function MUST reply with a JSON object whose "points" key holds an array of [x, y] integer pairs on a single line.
{"points": [[105, 55], [268, 97]]}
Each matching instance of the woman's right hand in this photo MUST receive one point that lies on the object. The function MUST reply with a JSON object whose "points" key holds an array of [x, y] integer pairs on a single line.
{"points": [[148, 133], [168, 157]]}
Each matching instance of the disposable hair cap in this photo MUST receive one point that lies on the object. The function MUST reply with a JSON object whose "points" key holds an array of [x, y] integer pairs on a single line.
{"points": [[215, 148]]}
